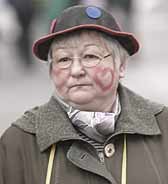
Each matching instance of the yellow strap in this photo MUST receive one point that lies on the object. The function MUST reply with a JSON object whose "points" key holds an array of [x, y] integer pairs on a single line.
{"points": [[124, 163], [50, 164]]}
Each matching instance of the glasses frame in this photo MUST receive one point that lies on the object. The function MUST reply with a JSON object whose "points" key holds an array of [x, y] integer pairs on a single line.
{"points": [[68, 66]]}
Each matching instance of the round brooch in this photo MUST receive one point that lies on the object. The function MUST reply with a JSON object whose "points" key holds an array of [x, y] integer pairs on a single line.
{"points": [[93, 12]]}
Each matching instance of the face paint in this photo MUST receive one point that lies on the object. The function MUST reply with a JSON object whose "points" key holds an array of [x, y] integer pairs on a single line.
{"points": [[104, 78]]}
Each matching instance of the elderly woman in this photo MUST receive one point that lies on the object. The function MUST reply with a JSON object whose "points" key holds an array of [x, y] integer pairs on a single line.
{"points": [[93, 129]]}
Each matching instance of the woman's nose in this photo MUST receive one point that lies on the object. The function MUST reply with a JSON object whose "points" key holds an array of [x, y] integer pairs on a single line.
{"points": [[76, 68]]}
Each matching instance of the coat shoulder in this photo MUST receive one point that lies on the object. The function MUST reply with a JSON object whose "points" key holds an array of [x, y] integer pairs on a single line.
{"points": [[14, 138], [28, 121]]}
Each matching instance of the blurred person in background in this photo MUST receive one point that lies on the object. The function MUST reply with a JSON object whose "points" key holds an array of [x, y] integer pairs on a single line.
{"points": [[25, 11], [8, 23], [93, 129], [9, 32]]}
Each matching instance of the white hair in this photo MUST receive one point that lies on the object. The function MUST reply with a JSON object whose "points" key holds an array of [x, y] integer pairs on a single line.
{"points": [[119, 52]]}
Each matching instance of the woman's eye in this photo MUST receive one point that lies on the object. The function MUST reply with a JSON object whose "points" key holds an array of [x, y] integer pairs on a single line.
{"points": [[64, 59], [90, 56]]}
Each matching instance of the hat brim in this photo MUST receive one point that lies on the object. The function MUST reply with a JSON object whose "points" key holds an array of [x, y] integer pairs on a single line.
{"points": [[127, 40]]}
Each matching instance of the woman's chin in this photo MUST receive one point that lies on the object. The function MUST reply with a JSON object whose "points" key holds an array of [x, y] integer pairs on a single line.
{"points": [[80, 98]]}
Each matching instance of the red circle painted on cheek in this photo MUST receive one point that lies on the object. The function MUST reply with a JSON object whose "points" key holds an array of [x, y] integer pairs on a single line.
{"points": [[104, 78]]}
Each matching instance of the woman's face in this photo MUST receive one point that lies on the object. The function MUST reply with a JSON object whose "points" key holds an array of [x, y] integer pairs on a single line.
{"points": [[92, 88]]}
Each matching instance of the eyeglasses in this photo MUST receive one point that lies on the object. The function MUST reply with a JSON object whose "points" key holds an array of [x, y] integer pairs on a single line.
{"points": [[87, 60]]}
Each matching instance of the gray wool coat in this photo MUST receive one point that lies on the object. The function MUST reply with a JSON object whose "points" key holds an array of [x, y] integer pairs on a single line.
{"points": [[25, 146]]}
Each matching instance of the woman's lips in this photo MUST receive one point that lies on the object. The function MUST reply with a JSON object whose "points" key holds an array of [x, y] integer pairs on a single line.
{"points": [[80, 85]]}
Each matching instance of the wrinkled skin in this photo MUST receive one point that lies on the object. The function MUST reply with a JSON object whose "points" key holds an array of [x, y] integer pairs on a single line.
{"points": [[92, 89]]}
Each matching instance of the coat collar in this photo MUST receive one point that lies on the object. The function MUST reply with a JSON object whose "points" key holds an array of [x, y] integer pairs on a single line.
{"points": [[137, 114], [51, 124]]}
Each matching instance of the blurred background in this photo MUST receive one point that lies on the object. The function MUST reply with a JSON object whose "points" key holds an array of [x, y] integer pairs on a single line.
{"points": [[24, 81]]}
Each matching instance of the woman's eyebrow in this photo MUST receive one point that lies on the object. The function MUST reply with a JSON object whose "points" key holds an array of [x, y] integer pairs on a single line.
{"points": [[91, 44], [59, 47]]}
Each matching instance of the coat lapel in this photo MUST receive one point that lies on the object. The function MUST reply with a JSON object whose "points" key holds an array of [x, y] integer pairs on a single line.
{"points": [[80, 156]]}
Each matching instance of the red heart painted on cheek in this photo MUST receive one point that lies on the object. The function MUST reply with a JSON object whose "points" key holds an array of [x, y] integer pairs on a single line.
{"points": [[104, 78]]}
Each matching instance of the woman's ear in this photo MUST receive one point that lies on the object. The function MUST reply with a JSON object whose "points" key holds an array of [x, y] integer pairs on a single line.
{"points": [[122, 69]]}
